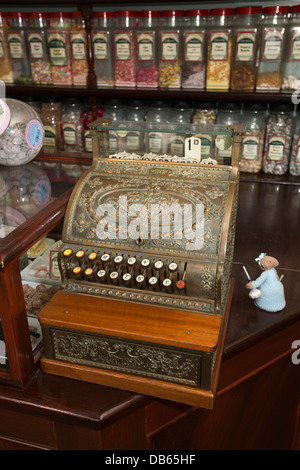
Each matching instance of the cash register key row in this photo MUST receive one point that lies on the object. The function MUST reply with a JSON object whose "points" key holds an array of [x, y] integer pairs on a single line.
{"points": [[125, 278]]}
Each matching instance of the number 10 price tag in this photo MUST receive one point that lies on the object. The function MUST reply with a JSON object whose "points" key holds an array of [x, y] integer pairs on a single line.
{"points": [[192, 148]]}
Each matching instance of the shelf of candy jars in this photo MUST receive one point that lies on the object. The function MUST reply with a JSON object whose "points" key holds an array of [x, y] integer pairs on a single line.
{"points": [[130, 53], [270, 147]]}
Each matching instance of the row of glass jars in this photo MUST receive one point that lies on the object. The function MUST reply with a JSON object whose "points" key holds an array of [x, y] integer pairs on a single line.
{"points": [[43, 48], [241, 49], [271, 143]]}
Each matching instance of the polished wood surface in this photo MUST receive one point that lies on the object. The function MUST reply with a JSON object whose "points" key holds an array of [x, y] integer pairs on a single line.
{"points": [[15, 326], [134, 321], [267, 221], [145, 324]]}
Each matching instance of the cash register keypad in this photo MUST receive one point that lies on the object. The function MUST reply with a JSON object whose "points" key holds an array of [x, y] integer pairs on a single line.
{"points": [[125, 270]]}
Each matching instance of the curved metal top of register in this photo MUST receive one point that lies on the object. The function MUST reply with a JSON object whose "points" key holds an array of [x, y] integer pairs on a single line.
{"points": [[153, 220]]}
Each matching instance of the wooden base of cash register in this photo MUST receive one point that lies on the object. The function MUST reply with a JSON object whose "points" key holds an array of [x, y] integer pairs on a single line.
{"points": [[166, 353]]}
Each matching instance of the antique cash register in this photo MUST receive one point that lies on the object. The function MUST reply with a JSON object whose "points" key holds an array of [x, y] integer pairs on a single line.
{"points": [[146, 260]]}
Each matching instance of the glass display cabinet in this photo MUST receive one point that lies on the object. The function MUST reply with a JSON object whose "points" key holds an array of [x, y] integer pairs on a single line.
{"points": [[32, 203]]}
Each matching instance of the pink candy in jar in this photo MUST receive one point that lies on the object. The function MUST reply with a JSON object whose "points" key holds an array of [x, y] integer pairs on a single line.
{"points": [[59, 48], [125, 49], [147, 49]]}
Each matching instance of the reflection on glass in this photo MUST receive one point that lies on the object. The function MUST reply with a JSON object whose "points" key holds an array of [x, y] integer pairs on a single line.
{"points": [[24, 190]]}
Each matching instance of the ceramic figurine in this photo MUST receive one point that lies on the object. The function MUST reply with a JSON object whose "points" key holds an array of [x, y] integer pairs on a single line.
{"points": [[271, 298]]}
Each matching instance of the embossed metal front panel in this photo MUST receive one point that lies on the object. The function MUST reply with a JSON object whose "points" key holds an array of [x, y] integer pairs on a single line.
{"points": [[130, 357], [142, 183]]}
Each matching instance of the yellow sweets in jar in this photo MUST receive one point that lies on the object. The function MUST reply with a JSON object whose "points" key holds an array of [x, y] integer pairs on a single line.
{"points": [[219, 49]]}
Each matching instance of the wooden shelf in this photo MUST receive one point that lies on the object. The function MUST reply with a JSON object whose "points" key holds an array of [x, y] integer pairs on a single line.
{"points": [[148, 93]]}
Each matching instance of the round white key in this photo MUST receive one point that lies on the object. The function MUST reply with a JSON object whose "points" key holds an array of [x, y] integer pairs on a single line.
{"points": [[118, 259], [173, 266], [153, 281], [126, 277], [113, 275], [140, 278], [105, 257], [167, 282], [101, 273], [131, 261], [145, 262], [158, 264]]}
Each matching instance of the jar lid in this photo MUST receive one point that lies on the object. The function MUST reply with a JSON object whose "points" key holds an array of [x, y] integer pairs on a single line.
{"points": [[222, 11], [248, 10], [172, 13], [149, 13], [104, 14], [126, 13], [205, 105], [295, 8], [76, 14], [181, 104], [4, 116], [17, 14], [38, 14], [255, 107], [51, 99], [277, 9], [233, 106], [281, 107], [72, 102], [113, 102], [60, 14], [197, 12], [158, 104], [136, 104]]}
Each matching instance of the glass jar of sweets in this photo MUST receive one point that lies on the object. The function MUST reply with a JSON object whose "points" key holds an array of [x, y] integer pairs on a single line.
{"points": [[72, 125], [205, 113], [158, 113], [294, 165], [147, 38], [254, 116], [135, 112], [58, 39], [17, 45], [219, 49], [194, 49], [115, 110], [78, 41], [170, 60], [246, 37], [38, 50], [279, 132], [228, 114], [102, 39], [272, 42], [51, 118], [6, 68], [125, 48], [291, 60], [180, 113]]}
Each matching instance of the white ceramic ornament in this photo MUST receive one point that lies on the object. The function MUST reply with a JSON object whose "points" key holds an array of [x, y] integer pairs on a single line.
{"points": [[254, 293]]}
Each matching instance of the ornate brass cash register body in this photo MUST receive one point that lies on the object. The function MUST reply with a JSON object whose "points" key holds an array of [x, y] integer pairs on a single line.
{"points": [[146, 261]]}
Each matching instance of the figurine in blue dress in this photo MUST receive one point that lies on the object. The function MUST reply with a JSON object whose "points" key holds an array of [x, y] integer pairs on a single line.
{"points": [[272, 298]]}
